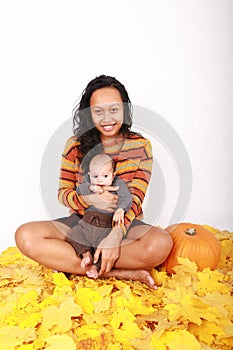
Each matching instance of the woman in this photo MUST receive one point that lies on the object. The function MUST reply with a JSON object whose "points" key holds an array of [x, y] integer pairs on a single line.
{"points": [[102, 121]]}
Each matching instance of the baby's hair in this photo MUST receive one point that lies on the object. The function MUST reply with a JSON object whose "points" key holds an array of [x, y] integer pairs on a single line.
{"points": [[101, 159]]}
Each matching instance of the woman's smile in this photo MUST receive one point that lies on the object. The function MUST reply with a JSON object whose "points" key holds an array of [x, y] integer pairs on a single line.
{"points": [[108, 127]]}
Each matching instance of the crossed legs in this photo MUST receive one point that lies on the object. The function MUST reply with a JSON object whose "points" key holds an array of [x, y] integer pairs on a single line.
{"points": [[144, 248]]}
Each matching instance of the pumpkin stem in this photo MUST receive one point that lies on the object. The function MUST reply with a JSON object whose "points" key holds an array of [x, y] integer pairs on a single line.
{"points": [[190, 231]]}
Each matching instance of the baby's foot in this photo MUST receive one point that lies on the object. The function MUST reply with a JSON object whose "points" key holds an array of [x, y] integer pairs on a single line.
{"points": [[93, 272], [86, 260]]}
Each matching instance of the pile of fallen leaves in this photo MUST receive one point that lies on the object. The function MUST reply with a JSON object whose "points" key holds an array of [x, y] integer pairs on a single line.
{"points": [[40, 309]]}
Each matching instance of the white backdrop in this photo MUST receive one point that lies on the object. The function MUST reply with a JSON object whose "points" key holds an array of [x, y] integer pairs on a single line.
{"points": [[175, 58]]}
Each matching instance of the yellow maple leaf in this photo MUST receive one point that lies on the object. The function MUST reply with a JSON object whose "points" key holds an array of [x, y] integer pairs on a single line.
{"points": [[211, 229], [174, 295], [181, 279], [12, 336], [90, 331], [206, 331], [105, 290], [135, 305], [30, 297], [192, 309], [223, 301], [227, 325], [60, 279], [63, 291], [42, 333], [124, 327], [31, 320], [102, 305], [10, 256], [85, 297], [99, 318], [7, 306], [52, 316], [120, 316], [210, 281], [160, 277], [125, 334], [69, 305], [51, 300], [61, 316], [226, 254], [175, 340], [142, 342], [60, 342], [23, 318], [185, 265]]}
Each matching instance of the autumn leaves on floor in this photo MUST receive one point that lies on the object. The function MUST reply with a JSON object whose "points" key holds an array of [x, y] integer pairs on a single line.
{"points": [[41, 309]]}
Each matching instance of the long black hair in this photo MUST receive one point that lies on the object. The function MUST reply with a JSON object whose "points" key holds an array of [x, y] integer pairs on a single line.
{"points": [[83, 126]]}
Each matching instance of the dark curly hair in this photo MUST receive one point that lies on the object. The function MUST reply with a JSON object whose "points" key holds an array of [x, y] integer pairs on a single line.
{"points": [[83, 126]]}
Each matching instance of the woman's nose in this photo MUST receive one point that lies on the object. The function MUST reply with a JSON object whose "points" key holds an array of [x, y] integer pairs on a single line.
{"points": [[106, 117]]}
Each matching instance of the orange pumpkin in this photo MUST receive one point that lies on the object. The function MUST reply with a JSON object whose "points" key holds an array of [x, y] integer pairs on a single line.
{"points": [[194, 242]]}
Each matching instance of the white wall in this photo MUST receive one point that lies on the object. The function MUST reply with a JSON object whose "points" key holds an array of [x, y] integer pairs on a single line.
{"points": [[175, 58]]}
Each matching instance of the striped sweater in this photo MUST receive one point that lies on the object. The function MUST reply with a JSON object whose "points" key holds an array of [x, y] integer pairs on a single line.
{"points": [[133, 159]]}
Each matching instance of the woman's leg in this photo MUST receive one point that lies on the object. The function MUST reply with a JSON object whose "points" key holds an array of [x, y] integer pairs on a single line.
{"points": [[44, 242], [145, 247]]}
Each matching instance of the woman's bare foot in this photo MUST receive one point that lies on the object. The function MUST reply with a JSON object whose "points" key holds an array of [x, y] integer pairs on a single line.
{"points": [[134, 275], [86, 260], [92, 272]]}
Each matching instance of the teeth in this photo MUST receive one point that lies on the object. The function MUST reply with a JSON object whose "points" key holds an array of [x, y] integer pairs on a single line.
{"points": [[108, 127]]}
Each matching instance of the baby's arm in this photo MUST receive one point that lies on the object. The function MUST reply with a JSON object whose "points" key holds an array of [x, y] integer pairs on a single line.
{"points": [[124, 195], [87, 188], [124, 202]]}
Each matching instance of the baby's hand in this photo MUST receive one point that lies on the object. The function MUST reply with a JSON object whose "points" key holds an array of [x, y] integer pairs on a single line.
{"points": [[96, 189], [118, 216]]}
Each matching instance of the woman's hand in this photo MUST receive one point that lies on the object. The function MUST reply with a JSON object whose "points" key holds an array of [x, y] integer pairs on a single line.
{"points": [[109, 248], [105, 201], [118, 216]]}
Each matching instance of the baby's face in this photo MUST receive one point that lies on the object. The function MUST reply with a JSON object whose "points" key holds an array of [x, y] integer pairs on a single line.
{"points": [[102, 175]]}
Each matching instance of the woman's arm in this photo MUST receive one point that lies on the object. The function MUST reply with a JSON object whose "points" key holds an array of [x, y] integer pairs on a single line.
{"points": [[70, 177], [109, 248]]}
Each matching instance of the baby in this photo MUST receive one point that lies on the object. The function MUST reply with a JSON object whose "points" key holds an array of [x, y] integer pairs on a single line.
{"points": [[96, 224]]}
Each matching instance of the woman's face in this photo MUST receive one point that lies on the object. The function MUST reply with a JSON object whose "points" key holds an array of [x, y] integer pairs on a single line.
{"points": [[107, 112]]}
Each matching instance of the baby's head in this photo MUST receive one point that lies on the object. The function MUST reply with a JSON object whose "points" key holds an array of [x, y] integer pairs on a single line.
{"points": [[101, 170]]}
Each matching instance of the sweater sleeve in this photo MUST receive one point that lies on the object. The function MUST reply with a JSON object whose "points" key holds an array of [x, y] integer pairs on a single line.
{"points": [[139, 184], [70, 177], [84, 188]]}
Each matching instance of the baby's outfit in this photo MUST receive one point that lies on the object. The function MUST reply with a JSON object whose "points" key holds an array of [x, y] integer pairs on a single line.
{"points": [[96, 224]]}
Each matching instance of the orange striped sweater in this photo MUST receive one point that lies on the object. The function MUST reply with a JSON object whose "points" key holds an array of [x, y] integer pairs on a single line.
{"points": [[133, 159]]}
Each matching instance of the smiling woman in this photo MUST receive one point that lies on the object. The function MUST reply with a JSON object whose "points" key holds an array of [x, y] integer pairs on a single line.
{"points": [[102, 123]]}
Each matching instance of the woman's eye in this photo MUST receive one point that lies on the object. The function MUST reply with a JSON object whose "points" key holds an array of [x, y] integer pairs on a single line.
{"points": [[98, 111], [114, 110]]}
